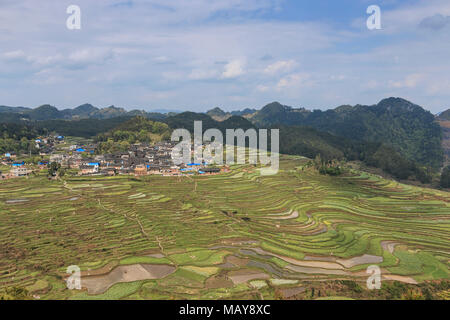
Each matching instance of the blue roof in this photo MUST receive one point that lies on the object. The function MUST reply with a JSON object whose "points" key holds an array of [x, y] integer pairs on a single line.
{"points": [[201, 172], [8, 155], [194, 164], [18, 164], [93, 164], [80, 150]]}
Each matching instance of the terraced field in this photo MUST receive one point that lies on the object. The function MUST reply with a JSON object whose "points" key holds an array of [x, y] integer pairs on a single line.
{"points": [[237, 235]]}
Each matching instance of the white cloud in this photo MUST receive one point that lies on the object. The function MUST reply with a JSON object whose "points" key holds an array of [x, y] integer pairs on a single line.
{"points": [[14, 55], [410, 81], [89, 56], [293, 80], [203, 74], [233, 69], [280, 66], [262, 88], [168, 46]]}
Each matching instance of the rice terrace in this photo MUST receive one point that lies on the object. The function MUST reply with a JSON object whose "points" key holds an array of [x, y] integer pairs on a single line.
{"points": [[238, 235]]}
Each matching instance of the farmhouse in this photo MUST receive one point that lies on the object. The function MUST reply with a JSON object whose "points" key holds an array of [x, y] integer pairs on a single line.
{"points": [[20, 171], [140, 171], [86, 170], [211, 171], [108, 171]]}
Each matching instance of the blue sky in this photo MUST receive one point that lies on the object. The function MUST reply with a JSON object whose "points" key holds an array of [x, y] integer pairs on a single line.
{"points": [[199, 54]]}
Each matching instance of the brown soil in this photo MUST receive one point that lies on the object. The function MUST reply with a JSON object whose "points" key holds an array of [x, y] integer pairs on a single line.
{"points": [[99, 284]]}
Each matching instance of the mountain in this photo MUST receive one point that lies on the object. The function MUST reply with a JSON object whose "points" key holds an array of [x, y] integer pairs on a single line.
{"points": [[186, 120], [244, 113], [44, 112], [406, 127], [443, 119], [445, 115], [86, 128], [165, 111], [13, 109], [276, 113], [309, 142], [218, 114], [11, 117], [84, 111]]}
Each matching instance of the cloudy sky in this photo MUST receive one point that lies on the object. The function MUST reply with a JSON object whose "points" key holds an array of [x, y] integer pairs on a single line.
{"points": [[199, 54]]}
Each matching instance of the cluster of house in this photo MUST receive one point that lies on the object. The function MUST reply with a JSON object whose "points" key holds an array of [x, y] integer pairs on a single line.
{"points": [[139, 160], [46, 145], [18, 169]]}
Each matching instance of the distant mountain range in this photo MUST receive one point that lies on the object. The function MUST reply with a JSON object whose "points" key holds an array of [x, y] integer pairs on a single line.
{"points": [[395, 122], [399, 123], [85, 111]]}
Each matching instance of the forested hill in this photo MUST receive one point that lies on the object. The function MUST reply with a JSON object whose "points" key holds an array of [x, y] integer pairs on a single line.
{"points": [[136, 130], [404, 127], [407, 127], [444, 116], [309, 142]]}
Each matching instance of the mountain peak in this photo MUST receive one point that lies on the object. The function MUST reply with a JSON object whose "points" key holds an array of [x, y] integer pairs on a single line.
{"points": [[396, 103], [444, 115], [216, 112], [275, 107], [46, 107]]}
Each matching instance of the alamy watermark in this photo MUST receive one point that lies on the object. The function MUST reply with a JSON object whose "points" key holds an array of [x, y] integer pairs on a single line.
{"points": [[73, 22], [374, 280], [374, 21], [209, 147], [73, 282]]}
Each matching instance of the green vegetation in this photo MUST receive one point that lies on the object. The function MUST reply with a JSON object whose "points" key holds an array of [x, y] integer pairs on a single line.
{"points": [[55, 170], [17, 138], [137, 129], [395, 135], [445, 177], [227, 236], [445, 115], [398, 123]]}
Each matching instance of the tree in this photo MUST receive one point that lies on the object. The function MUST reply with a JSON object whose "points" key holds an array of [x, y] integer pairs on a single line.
{"points": [[445, 177]]}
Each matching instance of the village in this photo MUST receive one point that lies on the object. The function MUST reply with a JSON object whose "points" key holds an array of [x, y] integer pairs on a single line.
{"points": [[82, 159]]}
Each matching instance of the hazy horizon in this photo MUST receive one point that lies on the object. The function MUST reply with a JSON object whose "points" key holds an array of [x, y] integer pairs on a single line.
{"points": [[225, 109]]}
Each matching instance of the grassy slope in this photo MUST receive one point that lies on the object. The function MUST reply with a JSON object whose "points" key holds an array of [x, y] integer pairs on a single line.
{"points": [[92, 222]]}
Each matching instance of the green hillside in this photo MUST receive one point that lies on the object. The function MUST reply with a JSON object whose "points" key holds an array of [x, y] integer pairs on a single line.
{"points": [[407, 127], [238, 235]]}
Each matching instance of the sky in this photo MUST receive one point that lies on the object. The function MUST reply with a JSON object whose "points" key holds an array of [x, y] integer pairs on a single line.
{"points": [[234, 54]]}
